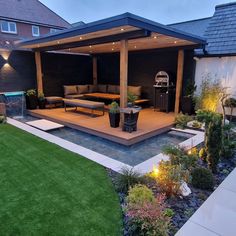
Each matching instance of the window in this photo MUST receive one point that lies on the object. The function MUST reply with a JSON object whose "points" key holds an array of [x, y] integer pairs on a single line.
{"points": [[53, 30], [35, 31], [8, 27]]}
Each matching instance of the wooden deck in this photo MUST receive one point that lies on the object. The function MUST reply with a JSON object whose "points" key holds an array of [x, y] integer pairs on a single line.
{"points": [[150, 123]]}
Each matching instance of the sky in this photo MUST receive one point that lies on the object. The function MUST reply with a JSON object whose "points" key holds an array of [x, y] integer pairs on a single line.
{"points": [[162, 11]]}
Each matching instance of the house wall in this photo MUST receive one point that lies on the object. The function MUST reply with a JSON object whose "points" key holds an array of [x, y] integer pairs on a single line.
{"points": [[142, 68], [223, 68], [19, 73], [24, 30]]}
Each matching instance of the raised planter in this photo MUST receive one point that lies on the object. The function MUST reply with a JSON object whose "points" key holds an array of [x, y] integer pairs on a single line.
{"points": [[114, 119], [31, 102]]}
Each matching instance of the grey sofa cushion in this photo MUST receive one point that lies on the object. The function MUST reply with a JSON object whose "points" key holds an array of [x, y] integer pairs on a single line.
{"points": [[70, 89], [102, 88], [135, 90], [112, 89], [82, 89], [92, 88]]}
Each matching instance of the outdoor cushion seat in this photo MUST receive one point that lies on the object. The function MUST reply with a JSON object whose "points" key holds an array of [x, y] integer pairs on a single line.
{"points": [[84, 104], [135, 90], [113, 89], [70, 89], [54, 99], [82, 89]]}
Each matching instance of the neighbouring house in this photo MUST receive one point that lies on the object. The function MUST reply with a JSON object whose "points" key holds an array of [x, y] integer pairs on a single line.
{"points": [[21, 19], [219, 58]]}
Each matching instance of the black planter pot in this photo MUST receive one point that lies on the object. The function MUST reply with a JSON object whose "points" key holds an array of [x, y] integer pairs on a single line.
{"points": [[114, 119], [31, 102], [42, 103], [187, 105]]}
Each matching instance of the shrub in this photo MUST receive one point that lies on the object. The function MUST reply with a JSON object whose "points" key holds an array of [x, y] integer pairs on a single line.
{"points": [[203, 154], [214, 142], [140, 194], [179, 156], [182, 120], [127, 179], [170, 177], [114, 108], [149, 218], [210, 95], [202, 178], [228, 142], [3, 119], [231, 103], [213, 136]]}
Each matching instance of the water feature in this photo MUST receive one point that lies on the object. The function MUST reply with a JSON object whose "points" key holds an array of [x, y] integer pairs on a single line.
{"points": [[15, 103]]}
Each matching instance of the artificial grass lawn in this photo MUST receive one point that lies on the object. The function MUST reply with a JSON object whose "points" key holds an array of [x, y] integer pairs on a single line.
{"points": [[46, 190]]}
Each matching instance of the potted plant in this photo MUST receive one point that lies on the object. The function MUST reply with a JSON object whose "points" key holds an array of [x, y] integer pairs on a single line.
{"points": [[41, 101], [230, 103], [31, 99], [114, 114], [187, 103], [131, 99]]}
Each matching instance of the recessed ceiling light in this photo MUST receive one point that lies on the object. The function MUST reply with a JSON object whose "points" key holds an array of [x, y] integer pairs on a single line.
{"points": [[122, 29], [58, 42], [112, 49], [155, 37], [135, 46], [69, 49], [90, 46], [80, 38], [113, 43], [175, 42]]}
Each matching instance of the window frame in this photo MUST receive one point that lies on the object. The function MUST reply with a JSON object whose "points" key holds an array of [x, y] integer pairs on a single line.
{"points": [[8, 26], [53, 30], [33, 34]]}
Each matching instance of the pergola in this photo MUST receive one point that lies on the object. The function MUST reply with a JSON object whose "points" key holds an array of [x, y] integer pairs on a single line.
{"points": [[123, 33]]}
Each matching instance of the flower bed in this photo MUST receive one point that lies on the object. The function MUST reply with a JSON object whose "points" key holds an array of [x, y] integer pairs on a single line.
{"points": [[183, 207]]}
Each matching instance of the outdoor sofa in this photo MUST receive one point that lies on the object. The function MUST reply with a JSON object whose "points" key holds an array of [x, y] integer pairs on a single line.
{"points": [[101, 91]]}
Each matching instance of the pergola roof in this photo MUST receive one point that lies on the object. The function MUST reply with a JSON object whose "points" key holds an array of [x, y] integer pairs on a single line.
{"points": [[104, 36]]}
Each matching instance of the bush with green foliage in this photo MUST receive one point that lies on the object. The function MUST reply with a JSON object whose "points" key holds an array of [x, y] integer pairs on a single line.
{"points": [[202, 178], [231, 103], [228, 142], [203, 154], [213, 142], [114, 108], [179, 156], [150, 218], [140, 194], [170, 178], [131, 98], [182, 120], [127, 179], [210, 96], [3, 119], [31, 92], [213, 136]]}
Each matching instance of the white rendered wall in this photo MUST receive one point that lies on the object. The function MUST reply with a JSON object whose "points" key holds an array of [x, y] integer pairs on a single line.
{"points": [[223, 68]]}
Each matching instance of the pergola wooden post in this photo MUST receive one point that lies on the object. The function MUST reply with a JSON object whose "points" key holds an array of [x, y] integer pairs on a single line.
{"points": [[95, 71], [123, 75], [39, 72], [179, 82]]}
